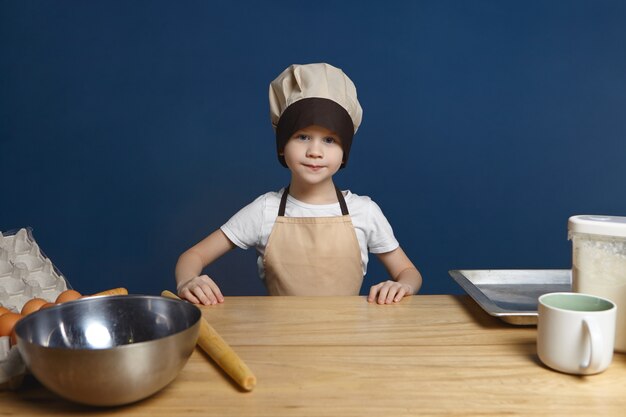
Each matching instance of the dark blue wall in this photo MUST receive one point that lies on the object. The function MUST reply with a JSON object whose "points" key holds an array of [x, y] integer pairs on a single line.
{"points": [[130, 130]]}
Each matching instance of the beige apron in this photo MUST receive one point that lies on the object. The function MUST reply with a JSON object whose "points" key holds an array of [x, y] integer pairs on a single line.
{"points": [[313, 255]]}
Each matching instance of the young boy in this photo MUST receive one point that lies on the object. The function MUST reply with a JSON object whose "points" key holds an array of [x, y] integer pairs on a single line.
{"points": [[312, 238]]}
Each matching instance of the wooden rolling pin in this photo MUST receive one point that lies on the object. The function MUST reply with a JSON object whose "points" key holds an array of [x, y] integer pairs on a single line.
{"points": [[217, 348], [113, 291]]}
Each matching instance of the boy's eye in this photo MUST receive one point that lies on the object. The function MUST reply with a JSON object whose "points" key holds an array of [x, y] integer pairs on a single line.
{"points": [[303, 137], [329, 140]]}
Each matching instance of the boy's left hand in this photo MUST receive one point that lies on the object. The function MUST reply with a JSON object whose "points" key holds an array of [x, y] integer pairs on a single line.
{"points": [[389, 292]]}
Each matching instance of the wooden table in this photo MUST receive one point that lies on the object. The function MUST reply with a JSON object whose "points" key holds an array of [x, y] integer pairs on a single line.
{"points": [[340, 356]]}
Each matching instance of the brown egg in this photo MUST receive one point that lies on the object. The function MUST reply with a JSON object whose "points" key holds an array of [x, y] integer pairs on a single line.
{"points": [[32, 305], [7, 323], [68, 295], [46, 305], [4, 310]]}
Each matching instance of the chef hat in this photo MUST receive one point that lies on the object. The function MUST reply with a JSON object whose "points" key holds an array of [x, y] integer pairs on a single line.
{"points": [[314, 94]]}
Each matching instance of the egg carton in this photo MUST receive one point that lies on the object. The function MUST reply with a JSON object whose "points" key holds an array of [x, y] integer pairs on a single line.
{"points": [[25, 273], [12, 367]]}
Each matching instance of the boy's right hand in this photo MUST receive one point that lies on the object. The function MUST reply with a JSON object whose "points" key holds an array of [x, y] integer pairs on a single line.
{"points": [[200, 290]]}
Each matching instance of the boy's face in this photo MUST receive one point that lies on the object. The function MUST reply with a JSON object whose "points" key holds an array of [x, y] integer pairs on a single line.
{"points": [[313, 154]]}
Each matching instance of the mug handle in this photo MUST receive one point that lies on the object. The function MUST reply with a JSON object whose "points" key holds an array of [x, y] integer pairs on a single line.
{"points": [[592, 363]]}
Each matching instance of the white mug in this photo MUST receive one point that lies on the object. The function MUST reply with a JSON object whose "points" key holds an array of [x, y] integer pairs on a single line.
{"points": [[576, 332]]}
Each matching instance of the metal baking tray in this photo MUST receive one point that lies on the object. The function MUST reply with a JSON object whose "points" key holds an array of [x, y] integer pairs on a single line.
{"points": [[511, 294]]}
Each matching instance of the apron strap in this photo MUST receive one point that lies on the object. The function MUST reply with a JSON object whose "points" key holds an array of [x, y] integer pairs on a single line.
{"points": [[342, 202], [340, 198]]}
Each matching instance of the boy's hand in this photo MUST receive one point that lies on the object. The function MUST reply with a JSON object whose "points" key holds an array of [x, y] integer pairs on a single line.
{"points": [[201, 290], [389, 292]]}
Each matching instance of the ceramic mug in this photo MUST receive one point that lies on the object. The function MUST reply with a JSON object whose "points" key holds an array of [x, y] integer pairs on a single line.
{"points": [[576, 332]]}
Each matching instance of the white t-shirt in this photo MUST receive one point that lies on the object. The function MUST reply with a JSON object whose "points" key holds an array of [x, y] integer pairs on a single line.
{"points": [[251, 226]]}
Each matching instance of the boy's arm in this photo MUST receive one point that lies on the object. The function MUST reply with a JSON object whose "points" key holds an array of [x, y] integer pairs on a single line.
{"points": [[189, 283], [406, 278]]}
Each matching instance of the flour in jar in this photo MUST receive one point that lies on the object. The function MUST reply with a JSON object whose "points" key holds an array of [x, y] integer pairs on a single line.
{"points": [[599, 268], [601, 261]]}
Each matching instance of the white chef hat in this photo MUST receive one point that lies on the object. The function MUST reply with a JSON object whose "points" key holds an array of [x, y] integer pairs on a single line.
{"points": [[314, 94]]}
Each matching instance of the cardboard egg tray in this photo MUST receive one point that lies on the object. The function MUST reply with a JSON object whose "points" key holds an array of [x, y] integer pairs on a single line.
{"points": [[25, 273]]}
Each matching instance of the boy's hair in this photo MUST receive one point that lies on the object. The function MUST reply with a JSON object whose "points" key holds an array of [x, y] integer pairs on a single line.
{"points": [[314, 94]]}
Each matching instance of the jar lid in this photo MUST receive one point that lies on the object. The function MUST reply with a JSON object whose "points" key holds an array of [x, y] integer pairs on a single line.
{"points": [[598, 225]]}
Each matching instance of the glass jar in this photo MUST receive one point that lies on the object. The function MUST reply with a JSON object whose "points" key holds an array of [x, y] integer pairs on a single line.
{"points": [[599, 263]]}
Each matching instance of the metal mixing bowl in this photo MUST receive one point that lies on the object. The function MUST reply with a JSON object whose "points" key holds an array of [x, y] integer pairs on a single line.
{"points": [[109, 350]]}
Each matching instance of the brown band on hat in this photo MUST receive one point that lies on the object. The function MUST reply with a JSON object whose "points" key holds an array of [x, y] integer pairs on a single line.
{"points": [[314, 111]]}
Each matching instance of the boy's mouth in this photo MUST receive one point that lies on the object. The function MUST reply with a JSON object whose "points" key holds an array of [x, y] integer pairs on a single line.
{"points": [[313, 167]]}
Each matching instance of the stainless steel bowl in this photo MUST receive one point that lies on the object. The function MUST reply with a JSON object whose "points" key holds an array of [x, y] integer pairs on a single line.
{"points": [[109, 350]]}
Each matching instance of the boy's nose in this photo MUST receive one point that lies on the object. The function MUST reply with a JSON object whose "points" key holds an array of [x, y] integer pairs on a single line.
{"points": [[314, 150]]}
